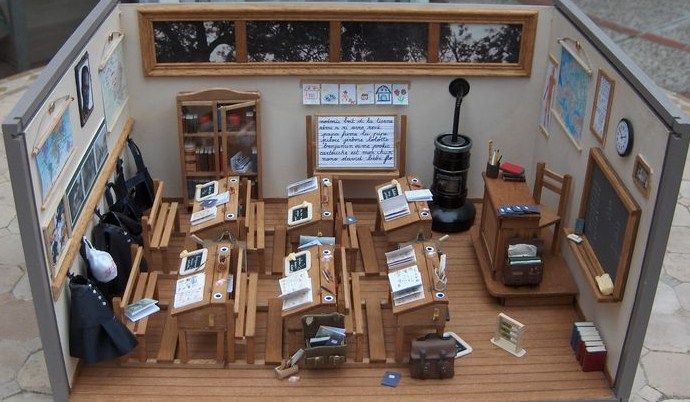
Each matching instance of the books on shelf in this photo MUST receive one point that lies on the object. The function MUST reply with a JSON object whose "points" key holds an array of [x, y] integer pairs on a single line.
{"points": [[205, 158], [401, 257], [406, 285], [394, 207]]}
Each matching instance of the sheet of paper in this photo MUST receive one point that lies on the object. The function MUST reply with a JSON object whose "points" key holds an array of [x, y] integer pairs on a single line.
{"points": [[189, 290], [394, 207], [311, 94], [297, 300], [405, 278], [296, 283], [401, 257], [419, 195]]}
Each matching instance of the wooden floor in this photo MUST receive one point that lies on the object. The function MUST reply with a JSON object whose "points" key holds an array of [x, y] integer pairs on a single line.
{"points": [[548, 371]]}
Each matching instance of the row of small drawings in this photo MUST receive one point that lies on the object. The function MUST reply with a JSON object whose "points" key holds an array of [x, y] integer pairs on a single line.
{"points": [[355, 94]]}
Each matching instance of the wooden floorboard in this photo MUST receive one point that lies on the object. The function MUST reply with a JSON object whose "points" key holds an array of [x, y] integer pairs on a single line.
{"points": [[548, 372]]}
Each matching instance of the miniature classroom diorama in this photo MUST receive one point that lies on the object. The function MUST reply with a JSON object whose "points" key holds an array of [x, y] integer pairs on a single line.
{"points": [[408, 201]]}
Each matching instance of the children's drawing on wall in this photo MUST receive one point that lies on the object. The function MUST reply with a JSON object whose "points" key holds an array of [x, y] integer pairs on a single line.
{"points": [[383, 94], [75, 196], [82, 73], [401, 94], [55, 236], [311, 94], [111, 73], [365, 94], [480, 43], [194, 41], [571, 95], [329, 94], [348, 94], [384, 42], [53, 153], [547, 96], [100, 147], [281, 41]]}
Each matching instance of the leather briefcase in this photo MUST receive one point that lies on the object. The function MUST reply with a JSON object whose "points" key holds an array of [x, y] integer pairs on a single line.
{"points": [[316, 357], [432, 357]]}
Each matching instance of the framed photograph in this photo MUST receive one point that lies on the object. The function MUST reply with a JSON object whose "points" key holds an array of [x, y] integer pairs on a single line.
{"points": [[344, 39], [100, 146], [82, 74], [111, 73], [642, 175], [547, 97], [56, 236], [601, 108], [53, 151], [76, 196], [571, 95]]}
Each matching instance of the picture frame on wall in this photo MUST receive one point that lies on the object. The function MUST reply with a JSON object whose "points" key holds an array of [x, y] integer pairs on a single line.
{"points": [[601, 107], [56, 236], [82, 72], [547, 96], [642, 175], [114, 89], [572, 89]]}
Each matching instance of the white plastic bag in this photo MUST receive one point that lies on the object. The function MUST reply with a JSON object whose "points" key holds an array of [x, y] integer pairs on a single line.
{"points": [[103, 267]]}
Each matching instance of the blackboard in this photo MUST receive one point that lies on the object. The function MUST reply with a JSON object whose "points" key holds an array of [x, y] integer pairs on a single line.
{"points": [[300, 213], [207, 189], [193, 261], [299, 263], [605, 222], [610, 218], [389, 192]]}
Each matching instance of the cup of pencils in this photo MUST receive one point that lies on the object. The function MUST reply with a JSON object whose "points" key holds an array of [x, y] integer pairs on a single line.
{"points": [[494, 161]]}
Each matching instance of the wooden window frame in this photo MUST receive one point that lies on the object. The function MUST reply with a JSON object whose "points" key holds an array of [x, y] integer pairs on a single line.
{"points": [[335, 15]]}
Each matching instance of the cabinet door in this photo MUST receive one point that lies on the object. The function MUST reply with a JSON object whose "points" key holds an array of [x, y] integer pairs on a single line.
{"points": [[199, 139], [239, 133]]}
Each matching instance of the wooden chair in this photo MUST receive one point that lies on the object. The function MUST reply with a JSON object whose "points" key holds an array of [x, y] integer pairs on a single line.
{"points": [[345, 234], [245, 308], [158, 226], [559, 184]]}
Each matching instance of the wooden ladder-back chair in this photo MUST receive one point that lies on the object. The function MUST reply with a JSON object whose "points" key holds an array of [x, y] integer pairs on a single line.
{"points": [[559, 184]]}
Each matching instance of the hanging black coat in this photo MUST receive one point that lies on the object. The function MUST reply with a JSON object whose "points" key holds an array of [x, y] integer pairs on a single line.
{"points": [[95, 334]]}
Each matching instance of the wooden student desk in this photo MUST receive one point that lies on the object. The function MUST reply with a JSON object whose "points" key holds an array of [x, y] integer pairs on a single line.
{"points": [[228, 216], [431, 312], [323, 212], [490, 242], [324, 294], [214, 313], [409, 227]]}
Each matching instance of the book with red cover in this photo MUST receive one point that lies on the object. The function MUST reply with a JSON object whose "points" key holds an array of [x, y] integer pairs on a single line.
{"points": [[512, 168], [585, 341], [594, 358]]}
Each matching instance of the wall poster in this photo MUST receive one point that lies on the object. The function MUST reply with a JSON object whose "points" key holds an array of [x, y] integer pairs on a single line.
{"points": [[547, 97], [571, 95], [111, 73], [54, 150]]}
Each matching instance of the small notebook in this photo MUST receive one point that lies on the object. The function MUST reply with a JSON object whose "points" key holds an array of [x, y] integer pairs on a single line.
{"points": [[140, 309], [401, 257], [394, 207], [297, 300], [203, 215], [419, 195]]}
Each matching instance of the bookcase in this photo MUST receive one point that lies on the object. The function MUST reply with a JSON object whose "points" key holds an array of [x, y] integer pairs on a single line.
{"points": [[219, 136]]}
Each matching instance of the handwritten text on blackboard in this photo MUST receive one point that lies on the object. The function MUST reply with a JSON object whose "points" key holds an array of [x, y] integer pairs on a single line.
{"points": [[356, 142]]}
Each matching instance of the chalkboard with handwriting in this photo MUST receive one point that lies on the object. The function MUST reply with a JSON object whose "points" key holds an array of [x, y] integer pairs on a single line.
{"points": [[355, 142]]}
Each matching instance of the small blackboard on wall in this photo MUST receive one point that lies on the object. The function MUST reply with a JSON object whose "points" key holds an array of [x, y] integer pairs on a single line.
{"points": [[611, 217], [360, 147]]}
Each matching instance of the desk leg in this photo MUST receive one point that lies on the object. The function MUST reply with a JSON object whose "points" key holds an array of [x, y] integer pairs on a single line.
{"points": [[379, 222], [251, 350], [220, 347], [399, 343], [184, 354], [230, 331]]}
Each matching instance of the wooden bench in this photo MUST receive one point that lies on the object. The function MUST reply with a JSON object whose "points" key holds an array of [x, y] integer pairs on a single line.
{"points": [[256, 235], [274, 332], [377, 346], [367, 250], [358, 317], [158, 226], [279, 250], [346, 234], [245, 307], [139, 285]]}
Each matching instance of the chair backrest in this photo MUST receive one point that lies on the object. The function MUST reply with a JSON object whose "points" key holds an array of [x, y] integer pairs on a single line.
{"points": [[559, 184], [150, 218]]}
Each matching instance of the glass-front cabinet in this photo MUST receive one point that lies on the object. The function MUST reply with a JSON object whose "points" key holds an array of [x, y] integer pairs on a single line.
{"points": [[219, 137]]}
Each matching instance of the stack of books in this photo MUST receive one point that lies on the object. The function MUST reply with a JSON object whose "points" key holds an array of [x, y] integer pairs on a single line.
{"points": [[512, 172], [241, 163], [205, 157], [328, 336], [203, 215], [394, 207], [400, 258], [588, 346], [295, 290], [406, 285]]}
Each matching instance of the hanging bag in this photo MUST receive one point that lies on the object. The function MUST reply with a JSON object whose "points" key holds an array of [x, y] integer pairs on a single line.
{"points": [[123, 221], [140, 186], [102, 266], [121, 202]]}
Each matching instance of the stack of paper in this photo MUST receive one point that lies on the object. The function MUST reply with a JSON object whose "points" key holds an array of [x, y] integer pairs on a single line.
{"points": [[189, 290], [419, 195], [406, 285], [203, 215], [302, 187], [295, 290], [400, 258], [394, 207]]}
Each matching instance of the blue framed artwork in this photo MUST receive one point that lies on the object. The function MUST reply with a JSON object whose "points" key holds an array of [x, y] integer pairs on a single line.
{"points": [[52, 153], [572, 88]]}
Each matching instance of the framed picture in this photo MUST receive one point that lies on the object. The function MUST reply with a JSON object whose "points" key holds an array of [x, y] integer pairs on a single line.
{"points": [[547, 96], [56, 236], [111, 73], [571, 95], [53, 151], [100, 146], [345, 39], [601, 108], [642, 175], [76, 196], [82, 74]]}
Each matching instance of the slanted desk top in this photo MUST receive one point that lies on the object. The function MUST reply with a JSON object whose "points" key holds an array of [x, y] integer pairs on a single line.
{"points": [[501, 192], [397, 229], [323, 290], [427, 260], [228, 212], [216, 286], [323, 210]]}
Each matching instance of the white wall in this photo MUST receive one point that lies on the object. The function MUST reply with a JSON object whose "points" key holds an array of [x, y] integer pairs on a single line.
{"points": [[561, 155], [493, 109], [82, 137]]}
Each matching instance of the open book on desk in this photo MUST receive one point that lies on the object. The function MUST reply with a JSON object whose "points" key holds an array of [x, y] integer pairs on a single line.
{"points": [[394, 207], [406, 285]]}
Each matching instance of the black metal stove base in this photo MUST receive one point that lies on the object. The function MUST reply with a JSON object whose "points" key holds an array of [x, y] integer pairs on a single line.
{"points": [[452, 220]]}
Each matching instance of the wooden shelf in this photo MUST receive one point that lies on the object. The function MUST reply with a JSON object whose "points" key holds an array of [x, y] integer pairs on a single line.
{"points": [[239, 133], [204, 134], [590, 266], [203, 173]]}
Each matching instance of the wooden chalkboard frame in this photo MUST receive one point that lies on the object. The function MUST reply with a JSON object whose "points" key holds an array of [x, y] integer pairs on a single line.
{"points": [[585, 253], [357, 173]]}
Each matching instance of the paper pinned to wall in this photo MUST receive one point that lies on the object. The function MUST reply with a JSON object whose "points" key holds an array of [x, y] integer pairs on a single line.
{"points": [[356, 142]]}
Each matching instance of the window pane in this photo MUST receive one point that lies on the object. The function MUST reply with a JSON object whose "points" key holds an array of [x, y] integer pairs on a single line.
{"points": [[282, 41], [384, 42], [194, 41], [480, 43]]}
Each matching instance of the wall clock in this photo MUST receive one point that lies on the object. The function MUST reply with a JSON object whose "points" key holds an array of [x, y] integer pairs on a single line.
{"points": [[624, 137]]}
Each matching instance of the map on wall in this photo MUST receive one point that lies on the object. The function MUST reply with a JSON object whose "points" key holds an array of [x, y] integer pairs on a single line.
{"points": [[571, 95], [51, 156], [113, 84], [356, 142]]}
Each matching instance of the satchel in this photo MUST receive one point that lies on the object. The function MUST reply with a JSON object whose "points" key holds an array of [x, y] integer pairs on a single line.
{"points": [[140, 186], [122, 202], [322, 356], [432, 356]]}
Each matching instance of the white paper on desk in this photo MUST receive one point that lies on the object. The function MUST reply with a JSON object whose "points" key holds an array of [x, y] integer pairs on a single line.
{"points": [[302, 187], [297, 300], [189, 290], [296, 283], [394, 207], [419, 195], [203, 215], [220, 199], [401, 257], [409, 298], [404, 279]]}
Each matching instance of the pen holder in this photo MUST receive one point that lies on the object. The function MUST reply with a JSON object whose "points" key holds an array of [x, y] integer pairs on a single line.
{"points": [[491, 171]]}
